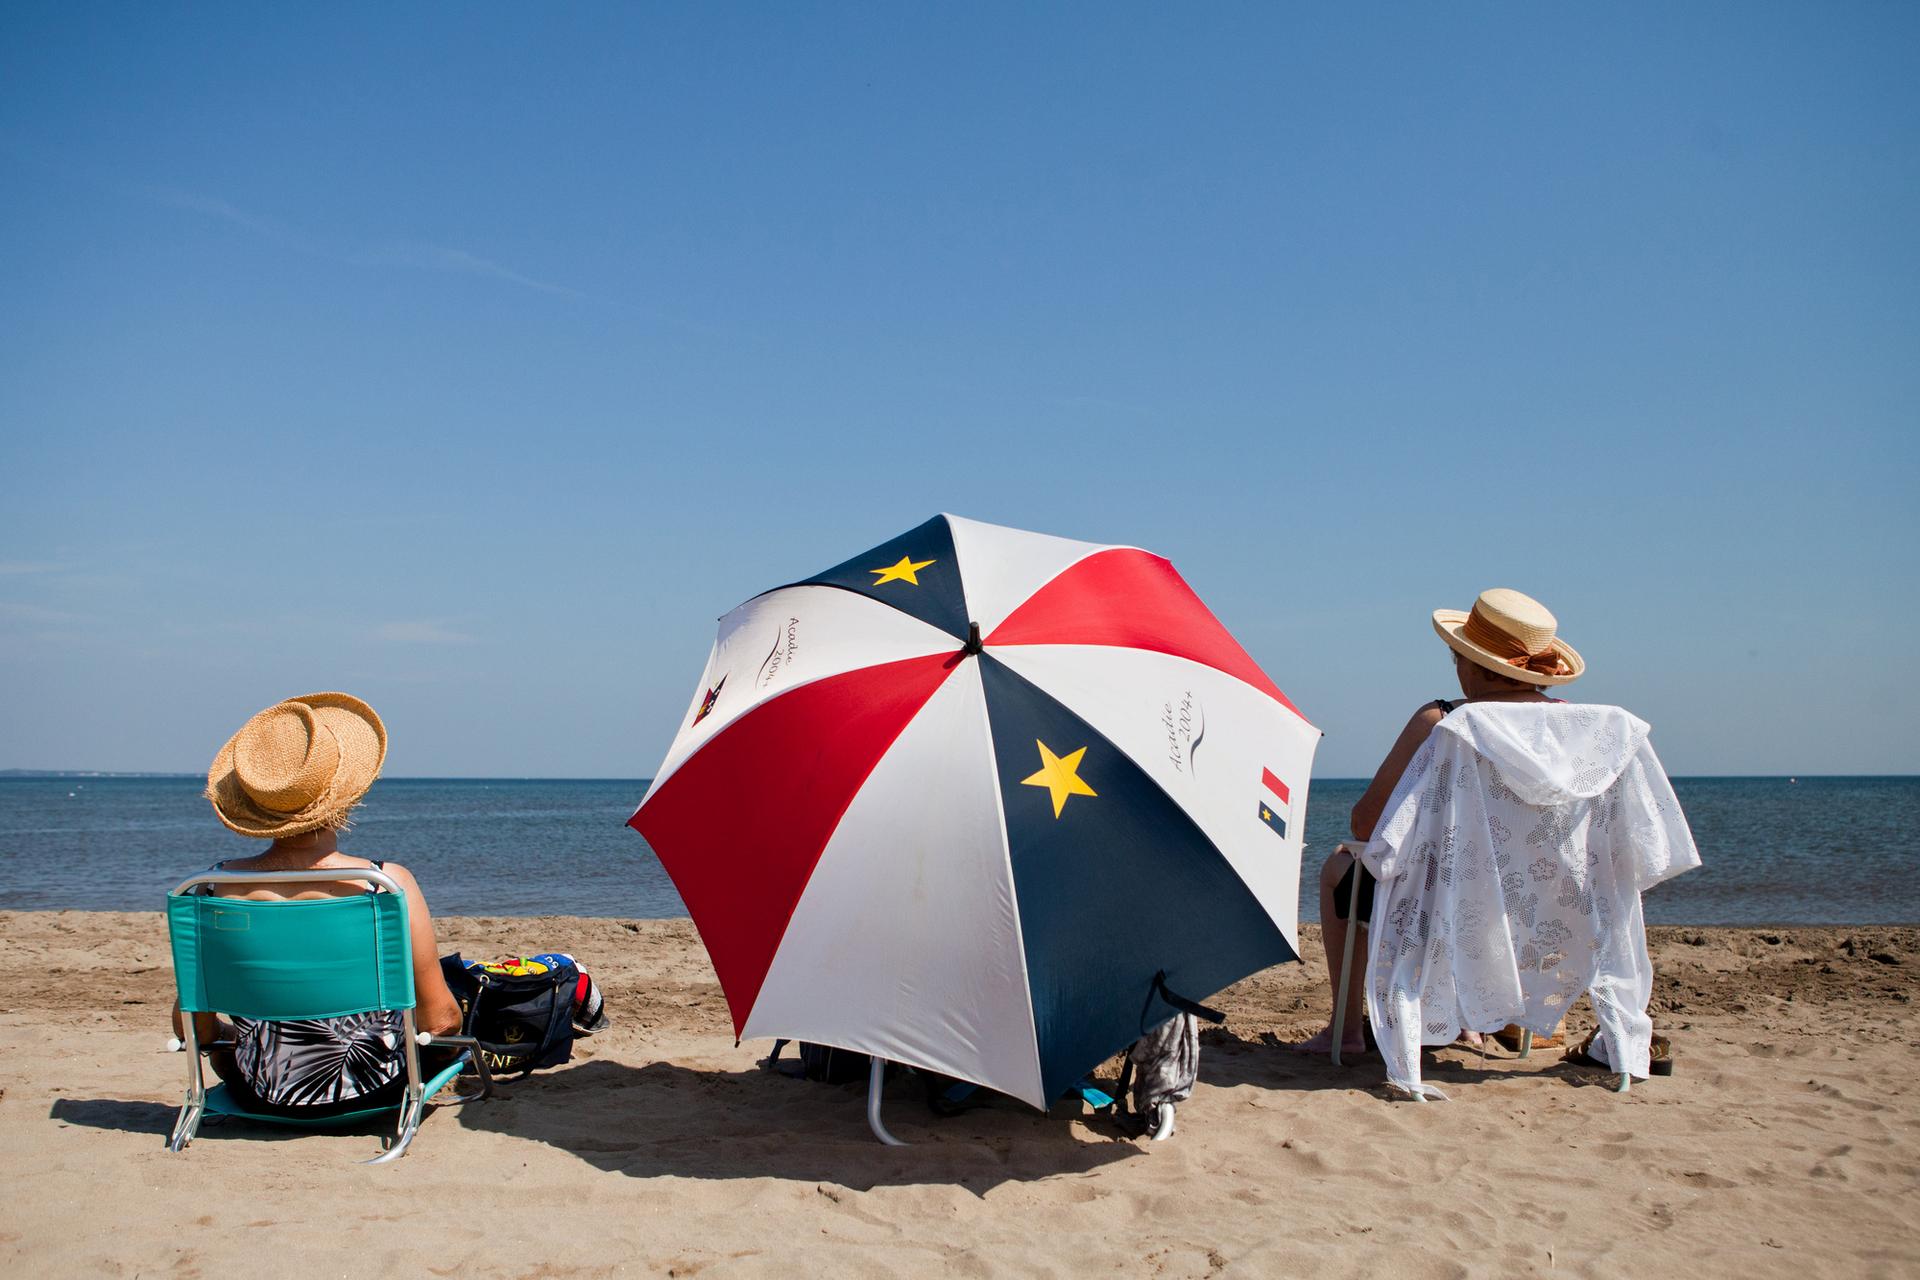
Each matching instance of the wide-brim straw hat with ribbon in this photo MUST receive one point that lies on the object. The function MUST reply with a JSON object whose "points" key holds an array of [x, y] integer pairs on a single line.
{"points": [[1511, 634], [298, 766]]}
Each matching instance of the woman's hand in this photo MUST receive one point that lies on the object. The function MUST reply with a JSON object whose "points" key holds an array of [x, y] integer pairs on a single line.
{"points": [[208, 1028]]}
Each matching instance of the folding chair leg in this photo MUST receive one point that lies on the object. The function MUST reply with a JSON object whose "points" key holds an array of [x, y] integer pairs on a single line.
{"points": [[195, 1103], [410, 1114], [1526, 1043], [415, 1100], [1346, 963], [187, 1124]]}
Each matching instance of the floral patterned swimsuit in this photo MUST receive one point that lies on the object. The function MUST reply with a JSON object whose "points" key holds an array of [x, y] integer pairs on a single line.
{"points": [[311, 1066]]}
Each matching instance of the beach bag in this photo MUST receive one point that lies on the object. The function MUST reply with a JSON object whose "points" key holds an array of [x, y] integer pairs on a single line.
{"points": [[525, 1010], [1163, 1064]]}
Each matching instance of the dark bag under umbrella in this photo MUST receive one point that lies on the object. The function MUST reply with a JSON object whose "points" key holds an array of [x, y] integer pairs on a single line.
{"points": [[822, 1062]]}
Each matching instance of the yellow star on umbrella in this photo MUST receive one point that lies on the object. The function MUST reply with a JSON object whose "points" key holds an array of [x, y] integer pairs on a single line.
{"points": [[1059, 775], [902, 572]]}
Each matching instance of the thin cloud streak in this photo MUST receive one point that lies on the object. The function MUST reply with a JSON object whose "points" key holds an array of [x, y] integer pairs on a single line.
{"points": [[33, 613], [421, 632], [1102, 403], [265, 228], [423, 256], [414, 256], [435, 257]]}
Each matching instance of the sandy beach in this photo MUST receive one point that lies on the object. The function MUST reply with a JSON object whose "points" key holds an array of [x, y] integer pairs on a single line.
{"points": [[1785, 1143]]}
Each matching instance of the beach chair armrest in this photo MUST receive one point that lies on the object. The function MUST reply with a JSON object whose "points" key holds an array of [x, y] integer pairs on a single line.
{"points": [[176, 1045], [474, 1055]]}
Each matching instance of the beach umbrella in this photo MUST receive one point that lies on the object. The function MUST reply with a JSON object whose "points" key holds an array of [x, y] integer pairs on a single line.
{"points": [[976, 800]]}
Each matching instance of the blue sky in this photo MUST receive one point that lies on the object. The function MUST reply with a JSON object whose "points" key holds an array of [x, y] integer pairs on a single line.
{"points": [[475, 359]]}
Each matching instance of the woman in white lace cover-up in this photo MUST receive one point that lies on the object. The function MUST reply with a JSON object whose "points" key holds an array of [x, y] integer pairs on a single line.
{"points": [[1511, 857], [1522, 629], [1511, 861]]}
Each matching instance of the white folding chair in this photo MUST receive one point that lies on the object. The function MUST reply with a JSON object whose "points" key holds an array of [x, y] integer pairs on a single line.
{"points": [[1346, 977]]}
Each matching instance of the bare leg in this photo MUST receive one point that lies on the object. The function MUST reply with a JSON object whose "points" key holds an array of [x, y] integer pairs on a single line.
{"points": [[1333, 935]]}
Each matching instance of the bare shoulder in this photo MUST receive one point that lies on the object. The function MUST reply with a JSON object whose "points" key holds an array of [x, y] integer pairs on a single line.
{"points": [[401, 875], [1419, 725], [1422, 721]]}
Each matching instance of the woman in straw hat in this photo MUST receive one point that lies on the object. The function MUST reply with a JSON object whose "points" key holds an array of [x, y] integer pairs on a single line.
{"points": [[1504, 650], [291, 775]]}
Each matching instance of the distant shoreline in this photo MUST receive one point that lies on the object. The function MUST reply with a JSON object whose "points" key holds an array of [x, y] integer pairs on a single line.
{"points": [[85, 773], [502, 918], [97, 773], [551, 847]]}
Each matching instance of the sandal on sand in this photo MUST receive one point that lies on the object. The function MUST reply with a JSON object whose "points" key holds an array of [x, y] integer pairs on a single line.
{"points": [[1660, 1054], [1508, 1037]]}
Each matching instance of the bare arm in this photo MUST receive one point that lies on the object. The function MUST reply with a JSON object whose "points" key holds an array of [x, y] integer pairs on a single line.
{"points": [[206, 1027], [435, 1008], [1367, 810]]}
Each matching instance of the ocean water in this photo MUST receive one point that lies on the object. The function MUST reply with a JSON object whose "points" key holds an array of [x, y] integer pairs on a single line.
{"points": [[1815, 851]]}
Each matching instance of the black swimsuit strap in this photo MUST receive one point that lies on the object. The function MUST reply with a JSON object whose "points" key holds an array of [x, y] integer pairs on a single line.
{"points": [[1446, 708]]}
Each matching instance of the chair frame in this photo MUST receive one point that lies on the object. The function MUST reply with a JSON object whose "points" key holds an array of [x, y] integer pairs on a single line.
{"points": [[413, 1102], [1346, 975]]}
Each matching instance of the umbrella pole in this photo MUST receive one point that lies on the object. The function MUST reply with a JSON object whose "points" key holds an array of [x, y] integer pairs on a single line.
{"points": [[876, 1078]]}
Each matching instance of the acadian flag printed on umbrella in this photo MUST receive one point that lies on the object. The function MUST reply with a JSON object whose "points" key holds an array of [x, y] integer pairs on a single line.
{"points": [[1274, 801], [957, 800], [706, 703]]}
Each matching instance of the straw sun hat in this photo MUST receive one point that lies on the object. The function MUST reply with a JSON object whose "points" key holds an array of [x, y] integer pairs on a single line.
{"points": [[297, 766], [1510, 634]]}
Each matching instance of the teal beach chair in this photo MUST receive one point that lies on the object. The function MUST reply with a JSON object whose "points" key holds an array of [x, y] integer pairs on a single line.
{"points": [[313, 958]]}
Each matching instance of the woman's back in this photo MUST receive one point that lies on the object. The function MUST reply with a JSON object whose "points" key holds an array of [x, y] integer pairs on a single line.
{"points": [[291, 775], [297, 891]]}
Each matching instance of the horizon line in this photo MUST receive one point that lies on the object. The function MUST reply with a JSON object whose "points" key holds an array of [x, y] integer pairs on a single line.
{"points": [[159, 775]]}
